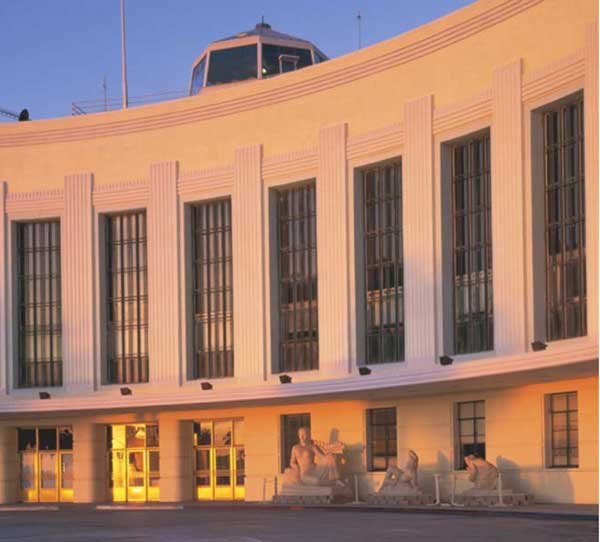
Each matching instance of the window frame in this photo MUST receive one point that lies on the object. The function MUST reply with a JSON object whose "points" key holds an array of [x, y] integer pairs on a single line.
{"points": [[549, 431], [293, 439], [390, 460], [459, 461]]}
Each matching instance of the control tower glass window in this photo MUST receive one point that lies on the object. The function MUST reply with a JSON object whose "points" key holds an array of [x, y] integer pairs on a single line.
{"points": [[198, 76], [271, 55], [230, 65]]}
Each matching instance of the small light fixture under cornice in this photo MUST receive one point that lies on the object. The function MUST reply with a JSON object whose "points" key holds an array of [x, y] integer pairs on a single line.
{"points": [[44, 395], [538, 346], [364, 370], [126, 391], [446, 360], [206, 386], [285, 379]]}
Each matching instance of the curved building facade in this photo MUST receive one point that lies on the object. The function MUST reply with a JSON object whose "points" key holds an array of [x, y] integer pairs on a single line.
{"points": [[396, 248]]}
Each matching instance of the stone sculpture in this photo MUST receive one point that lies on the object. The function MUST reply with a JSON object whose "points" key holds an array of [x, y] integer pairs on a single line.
{"points": [[402, 481], [314, 472], [482, 473]]}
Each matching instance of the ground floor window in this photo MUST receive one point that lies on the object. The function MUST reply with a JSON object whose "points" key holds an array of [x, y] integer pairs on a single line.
{"points": [[220, 463], [563, 441], [133, 462], [45, 464], [381, 439], [290, 423], [470, 431]]}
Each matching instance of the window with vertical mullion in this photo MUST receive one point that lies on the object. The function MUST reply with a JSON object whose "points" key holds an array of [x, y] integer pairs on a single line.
{"points": [[39, 304], [127, 298], [384, 287], [212, 289], [297, 267], [381, 439], [564, 430], [566, 300], [472, 246], [470, 431]]}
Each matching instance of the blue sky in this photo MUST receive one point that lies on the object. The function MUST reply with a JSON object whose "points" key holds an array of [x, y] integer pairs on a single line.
{"points": [[55, 52]]}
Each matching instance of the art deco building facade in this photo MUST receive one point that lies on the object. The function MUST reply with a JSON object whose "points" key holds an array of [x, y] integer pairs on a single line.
{"points": [[397, 247]]}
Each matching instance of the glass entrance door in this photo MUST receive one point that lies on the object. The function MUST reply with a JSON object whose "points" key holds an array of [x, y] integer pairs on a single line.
{"points": [[220, 460], [46, 464], [133, 462]]}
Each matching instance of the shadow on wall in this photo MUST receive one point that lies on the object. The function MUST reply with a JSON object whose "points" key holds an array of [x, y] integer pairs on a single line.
{"points": [[546, 485]]}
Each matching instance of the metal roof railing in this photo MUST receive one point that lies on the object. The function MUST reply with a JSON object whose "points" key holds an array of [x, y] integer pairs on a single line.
{"points": [[112, 104]]}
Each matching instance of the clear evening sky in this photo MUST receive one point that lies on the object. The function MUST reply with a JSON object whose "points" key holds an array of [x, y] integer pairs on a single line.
{"points": [[55, 52]]}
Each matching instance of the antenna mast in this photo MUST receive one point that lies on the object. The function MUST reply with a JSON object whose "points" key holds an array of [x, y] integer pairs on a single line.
{"points": [[359, 21]]}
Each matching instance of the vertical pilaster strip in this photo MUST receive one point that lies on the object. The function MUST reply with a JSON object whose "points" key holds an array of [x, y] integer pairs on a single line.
{"points": [[77, 279], [164, 330], [419, 227], [89, 462], [176, 443], [332, 250], [3, 290], [248, 217], [590, 97], [508, 211], [9, 465]]}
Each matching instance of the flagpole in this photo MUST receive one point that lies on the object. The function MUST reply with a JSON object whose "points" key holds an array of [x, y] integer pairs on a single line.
{"points": [[123, 60]]}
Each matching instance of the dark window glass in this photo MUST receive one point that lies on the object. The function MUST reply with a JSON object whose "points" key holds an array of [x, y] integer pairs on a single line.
{"points": [[297, 239], [127, 298], [276, 59], [47, 439], [39, 304], [290, 424], [470, 431], [198, 77], [564, 168], [135, 436], [212, 289], [65, 438], [230, 65], [203, 434], [384, 286], [152, 436], [381, 439], [27, 439], [564, 430], [472, 248]]}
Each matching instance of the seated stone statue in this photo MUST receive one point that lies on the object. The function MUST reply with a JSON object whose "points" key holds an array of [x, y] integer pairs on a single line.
{"points": [[402, 481], [312, 464], [482, 473]]}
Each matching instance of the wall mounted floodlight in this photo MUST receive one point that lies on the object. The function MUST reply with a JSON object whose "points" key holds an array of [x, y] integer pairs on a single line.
{"points": [[446, 360], [538, 346], [126, 391], [44, 395], [364, 371], [206, 386], [285, 379]]}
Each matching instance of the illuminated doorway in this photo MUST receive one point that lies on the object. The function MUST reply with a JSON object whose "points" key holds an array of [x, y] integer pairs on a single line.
{"points": [[133, 462], [220, 459], [46, 464]]}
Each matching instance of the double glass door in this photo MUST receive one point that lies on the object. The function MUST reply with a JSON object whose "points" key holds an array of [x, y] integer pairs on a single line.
{"points": [[46, 464], [220, 459], [133, 462]]}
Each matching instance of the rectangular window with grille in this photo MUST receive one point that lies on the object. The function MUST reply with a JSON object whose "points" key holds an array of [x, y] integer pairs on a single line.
{"points": [[297, 269], [212, 289], [383, 263], [126, 298], [566, 302], [564, 437], [472, 246], [470, 431], [39, 304], [290, 423], [381, 439]]}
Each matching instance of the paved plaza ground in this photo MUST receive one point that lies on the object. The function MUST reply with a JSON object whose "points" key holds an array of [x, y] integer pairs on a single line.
{"points": [[197, 524]]}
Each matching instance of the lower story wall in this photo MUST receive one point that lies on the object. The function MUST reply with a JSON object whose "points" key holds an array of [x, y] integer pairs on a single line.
{"points": [[516, 440]]}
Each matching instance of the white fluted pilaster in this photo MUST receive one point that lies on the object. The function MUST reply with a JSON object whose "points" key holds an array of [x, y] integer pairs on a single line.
{"points": [[248, 264], [332, 250], [164, 345], [590, 97], [3, 290], [77, 279], [508, 218], [418, 229]]}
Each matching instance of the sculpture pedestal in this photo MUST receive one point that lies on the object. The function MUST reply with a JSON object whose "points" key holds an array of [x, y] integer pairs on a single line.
{"points": [[313, 495], [400, 499], [489, 497]]}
